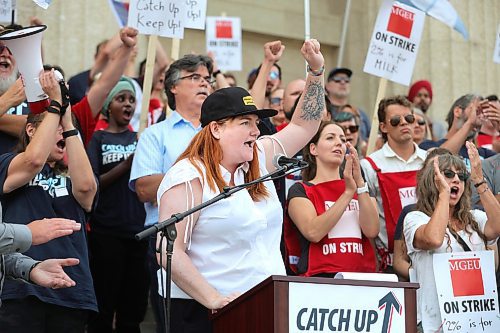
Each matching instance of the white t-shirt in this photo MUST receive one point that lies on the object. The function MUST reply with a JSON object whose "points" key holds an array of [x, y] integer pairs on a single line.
{"points": [[235, 244], [422, 262]]}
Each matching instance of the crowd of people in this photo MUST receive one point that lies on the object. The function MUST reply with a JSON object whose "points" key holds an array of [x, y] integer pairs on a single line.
{"points": [[79, 182]]}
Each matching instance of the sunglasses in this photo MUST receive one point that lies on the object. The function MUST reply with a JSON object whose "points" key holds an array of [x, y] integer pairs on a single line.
{"points": [[274, 75], [341, 79], [275, 100], [450, 174], [3, 47], [421, 122], [395, 121], [351, 128]]}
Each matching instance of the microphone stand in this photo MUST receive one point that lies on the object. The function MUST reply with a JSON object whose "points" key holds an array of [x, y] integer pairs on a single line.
{"points": [[167, 227]]}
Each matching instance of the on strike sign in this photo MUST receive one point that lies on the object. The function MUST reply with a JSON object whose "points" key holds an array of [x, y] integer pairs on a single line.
{"points": [[467, 291], [394, 45], [223, 38]]}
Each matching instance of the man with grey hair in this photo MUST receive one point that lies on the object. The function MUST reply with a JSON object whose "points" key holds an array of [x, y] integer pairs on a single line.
{"points": [[188, 82], [464, 121]]}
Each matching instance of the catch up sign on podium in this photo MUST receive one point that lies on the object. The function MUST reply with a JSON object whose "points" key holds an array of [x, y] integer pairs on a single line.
{"points": [[285, 304]]}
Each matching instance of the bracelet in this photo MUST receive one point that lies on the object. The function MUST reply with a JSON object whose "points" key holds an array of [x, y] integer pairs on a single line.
{"points": [[318, 72], [28, 278], [480, 183], [71, 132], [485, 189], [54, 107], [217, 72]]}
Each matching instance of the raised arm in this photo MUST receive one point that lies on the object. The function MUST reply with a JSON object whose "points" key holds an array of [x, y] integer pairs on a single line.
{"points": [[456, 137], [113, 70], [83, 182], [184, 273], [272, 53], [488, 199], [306, 118], [430, 236], [27, 164], [220, 79], [12, 97]]}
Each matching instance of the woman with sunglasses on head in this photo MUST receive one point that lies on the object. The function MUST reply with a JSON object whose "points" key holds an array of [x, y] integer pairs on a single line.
{"points": [[349, 220], [444, 222], [36, 183], [230, 246]]}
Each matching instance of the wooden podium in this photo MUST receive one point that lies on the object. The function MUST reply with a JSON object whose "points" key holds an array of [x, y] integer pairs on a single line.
{"points": [[265, 308]]}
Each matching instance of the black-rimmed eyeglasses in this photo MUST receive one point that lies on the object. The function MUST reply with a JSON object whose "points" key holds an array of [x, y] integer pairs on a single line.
{"points": [[197, 78]]}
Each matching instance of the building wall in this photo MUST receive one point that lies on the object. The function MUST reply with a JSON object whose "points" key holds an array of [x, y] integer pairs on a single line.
{"points": [[453, 65]]}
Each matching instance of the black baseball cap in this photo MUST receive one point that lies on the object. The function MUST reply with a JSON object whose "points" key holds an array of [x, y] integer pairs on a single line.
{"points": [[338, 70], [230, 102]]}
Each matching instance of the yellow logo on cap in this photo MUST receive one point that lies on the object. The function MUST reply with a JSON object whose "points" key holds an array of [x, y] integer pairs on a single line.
{"points": [[248, 100]]}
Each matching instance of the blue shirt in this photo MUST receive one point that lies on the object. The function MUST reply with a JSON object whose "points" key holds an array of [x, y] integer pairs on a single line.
{"points": [[157, 150]]}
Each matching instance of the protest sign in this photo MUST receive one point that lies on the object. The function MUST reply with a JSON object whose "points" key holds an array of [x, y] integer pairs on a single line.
{"points": [[394, 45], [158, 17], [6, 8], [349, 309], [496, 54], [223, 38], [467, 291], [196, 10]]}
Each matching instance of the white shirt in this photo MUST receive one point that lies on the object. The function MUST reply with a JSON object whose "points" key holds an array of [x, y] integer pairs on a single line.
{"points": [[235, 244], [388, 161], [422, 262]]}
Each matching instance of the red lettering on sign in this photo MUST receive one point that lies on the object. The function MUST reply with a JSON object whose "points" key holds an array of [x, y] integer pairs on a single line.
{"points": [[400, 21]]}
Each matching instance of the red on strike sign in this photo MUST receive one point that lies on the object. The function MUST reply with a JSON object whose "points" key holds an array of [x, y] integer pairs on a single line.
{"points": [[466, 277], [400, 21], [223, 29]]}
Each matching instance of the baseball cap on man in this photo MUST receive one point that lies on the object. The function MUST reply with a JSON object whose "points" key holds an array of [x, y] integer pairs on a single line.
{"points": [[339, 70], [230, 102]]}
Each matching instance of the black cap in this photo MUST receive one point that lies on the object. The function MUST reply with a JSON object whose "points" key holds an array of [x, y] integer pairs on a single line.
{"points": [[338, 70], [230, 102]]}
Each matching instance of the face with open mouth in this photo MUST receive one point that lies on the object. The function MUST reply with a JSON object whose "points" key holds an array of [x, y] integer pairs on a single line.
{"points": [[456, 182], [59, 149], [121, 108], [237, 138], [7, 62], [331, 145]]}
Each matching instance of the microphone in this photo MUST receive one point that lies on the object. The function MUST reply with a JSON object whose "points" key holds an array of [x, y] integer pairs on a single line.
{"points": [[280, 161]]}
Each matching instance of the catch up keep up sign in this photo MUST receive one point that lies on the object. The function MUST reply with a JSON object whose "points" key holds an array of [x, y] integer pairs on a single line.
{"points": [[342, 308], [394, 45], [467, 291], [158, 17]]}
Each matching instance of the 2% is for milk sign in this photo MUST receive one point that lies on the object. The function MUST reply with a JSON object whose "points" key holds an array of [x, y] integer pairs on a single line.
{"points": [[467, 291]]}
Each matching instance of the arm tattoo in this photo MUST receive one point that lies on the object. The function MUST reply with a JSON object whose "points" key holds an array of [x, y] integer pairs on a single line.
{"points": [[314, 101]]}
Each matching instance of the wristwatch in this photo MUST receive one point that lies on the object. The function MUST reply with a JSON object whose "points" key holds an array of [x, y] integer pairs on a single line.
{"points": [[363, 189]]}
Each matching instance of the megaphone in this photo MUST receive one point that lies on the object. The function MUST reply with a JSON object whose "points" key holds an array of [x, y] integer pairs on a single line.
{"points": [[26, 47]]}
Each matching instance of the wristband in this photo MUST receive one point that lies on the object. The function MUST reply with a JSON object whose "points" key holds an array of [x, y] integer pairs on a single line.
{"points": [[485, 189], [363, 189], [54, 107], [28, 278], [217, 72], [69, 133], [480, 183], [319, 72]]}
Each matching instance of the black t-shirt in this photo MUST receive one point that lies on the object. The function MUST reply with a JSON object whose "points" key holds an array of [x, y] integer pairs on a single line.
{"points": [[49, 195], [119, 212], [8, 142]]}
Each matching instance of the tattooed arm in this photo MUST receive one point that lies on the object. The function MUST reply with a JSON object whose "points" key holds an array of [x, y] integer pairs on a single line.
{"points": [[306, 119]]}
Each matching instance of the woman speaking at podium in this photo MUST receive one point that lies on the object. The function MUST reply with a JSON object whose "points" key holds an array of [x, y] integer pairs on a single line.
{"points": [[330, 219], [232, 245], [444, 222]]}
